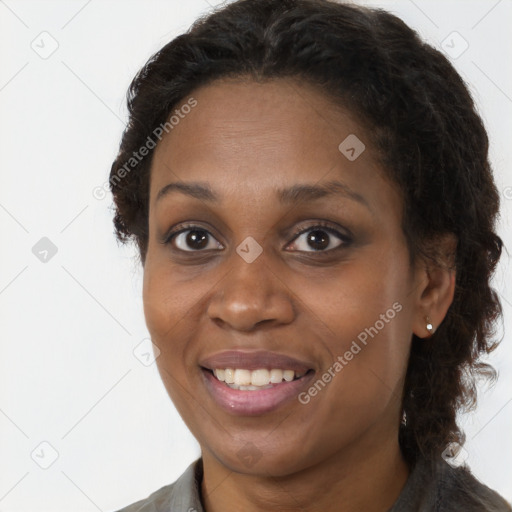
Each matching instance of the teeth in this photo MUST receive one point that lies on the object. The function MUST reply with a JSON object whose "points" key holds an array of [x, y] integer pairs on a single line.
{"points": [[256, 379], [288, 375], [229, 376], [260, 377], [276, 376], [242, 378]]}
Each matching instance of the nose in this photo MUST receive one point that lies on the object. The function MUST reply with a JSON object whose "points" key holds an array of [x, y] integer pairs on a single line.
{"points": [[250, 295]]}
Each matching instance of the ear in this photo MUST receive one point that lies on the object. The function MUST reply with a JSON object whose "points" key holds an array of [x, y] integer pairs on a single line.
{"points": [[435, 285]]}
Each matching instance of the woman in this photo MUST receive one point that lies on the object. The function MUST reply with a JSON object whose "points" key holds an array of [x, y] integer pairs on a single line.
{"points": [[309, 189]]}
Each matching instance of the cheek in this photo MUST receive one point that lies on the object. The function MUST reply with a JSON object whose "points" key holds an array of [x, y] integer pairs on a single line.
{"points": [[366, 317], [174, 308], [167, 301], [166, 306], [360, 294], [165, 311]]}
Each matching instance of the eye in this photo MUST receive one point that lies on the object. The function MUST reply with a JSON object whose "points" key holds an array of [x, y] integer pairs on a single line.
{"points": [[192, 239], [319, 238]]}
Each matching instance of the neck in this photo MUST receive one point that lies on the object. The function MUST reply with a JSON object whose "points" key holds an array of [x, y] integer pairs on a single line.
{"points": [[347, 482]]}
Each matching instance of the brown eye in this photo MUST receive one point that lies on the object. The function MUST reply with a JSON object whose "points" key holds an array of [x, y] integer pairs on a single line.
{"points": [[319, 239], [193, 240]]}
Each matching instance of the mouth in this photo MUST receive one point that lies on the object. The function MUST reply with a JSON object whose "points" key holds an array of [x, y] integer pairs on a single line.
{"points": [[250, 399], [248, 383], [254, 380]]}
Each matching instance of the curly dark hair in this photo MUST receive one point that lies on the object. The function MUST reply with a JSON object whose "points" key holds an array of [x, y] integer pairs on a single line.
{"points": [[424, 128]]}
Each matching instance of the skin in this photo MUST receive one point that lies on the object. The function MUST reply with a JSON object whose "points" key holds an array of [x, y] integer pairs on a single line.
{"points": [[339, 451]]}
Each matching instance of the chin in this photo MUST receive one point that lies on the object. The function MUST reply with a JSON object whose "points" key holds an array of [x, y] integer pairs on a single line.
{"points": [[260, 458]]}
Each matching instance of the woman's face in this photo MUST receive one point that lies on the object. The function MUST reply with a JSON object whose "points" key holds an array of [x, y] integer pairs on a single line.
{"points": [[239, 288]]}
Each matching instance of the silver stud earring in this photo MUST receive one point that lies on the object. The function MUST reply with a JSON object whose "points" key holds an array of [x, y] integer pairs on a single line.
{"points": [[430, 327]]}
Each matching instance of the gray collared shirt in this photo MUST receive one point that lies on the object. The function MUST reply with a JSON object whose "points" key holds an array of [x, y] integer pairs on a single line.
{"points": [[430, 488]]}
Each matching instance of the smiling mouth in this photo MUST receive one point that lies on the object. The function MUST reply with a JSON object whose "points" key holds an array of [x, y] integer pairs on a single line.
{"points": [[255, 380], [255, 391]]}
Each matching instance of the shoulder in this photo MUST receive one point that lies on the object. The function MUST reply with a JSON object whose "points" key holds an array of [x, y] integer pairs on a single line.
{"points": [[183, 494], [155, 502], [436, 486], [458, 489]]}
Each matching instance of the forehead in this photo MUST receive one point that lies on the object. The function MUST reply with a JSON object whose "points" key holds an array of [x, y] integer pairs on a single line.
{"points": [[247, 137]]}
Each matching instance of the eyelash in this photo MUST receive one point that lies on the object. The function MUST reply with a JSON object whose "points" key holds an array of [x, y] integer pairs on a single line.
{"points": [[345, 239]]}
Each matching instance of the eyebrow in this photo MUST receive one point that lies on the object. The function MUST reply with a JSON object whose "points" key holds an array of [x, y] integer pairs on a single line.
{"points": [[290, 195]]}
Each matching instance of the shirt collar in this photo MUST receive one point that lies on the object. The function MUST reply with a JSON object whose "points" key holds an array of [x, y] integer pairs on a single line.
{"points": [[186, 491]]}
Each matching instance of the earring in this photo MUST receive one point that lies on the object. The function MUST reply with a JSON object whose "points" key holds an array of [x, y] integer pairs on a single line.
{"points": [[430, 327]]}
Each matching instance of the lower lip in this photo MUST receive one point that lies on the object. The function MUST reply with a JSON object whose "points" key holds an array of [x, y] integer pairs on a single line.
{"points": [[252, 403]]}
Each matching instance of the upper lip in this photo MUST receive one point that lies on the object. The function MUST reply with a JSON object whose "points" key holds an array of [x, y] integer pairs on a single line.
{"points": [[254, 360]]}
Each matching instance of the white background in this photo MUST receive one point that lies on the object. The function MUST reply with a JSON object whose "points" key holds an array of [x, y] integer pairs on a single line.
{"points": [[69, 326]]}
